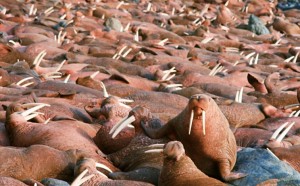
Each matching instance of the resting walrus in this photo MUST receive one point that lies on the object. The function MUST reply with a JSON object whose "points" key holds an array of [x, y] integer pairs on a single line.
{"points": [[212, 148]]}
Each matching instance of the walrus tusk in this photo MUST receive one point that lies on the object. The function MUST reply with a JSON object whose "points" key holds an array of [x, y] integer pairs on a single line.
{"points": [[123, 125], [39, 58], [289, 59], [67, 78], [272, 153], [170, 77], [94, 74], [100, 165], [127, 27], [60, 65], [47, 121], [30, 105], [296, 57], [154, 151], [136, 36], [256, 59], [241, 95], [294, 113], [101, 174], [191, 122], [159, 145], [23, 80], [33, 109], [127, 52], [213, 71], [275, 134], [162, 42], [292, 106], [203, 122], [30, 116], [80, 180], [105, 94], [282, 135], [249, 55], [116, 125]]}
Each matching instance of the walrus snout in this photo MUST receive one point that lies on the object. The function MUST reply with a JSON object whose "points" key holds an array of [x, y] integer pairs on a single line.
{"points": [[174, 150]]}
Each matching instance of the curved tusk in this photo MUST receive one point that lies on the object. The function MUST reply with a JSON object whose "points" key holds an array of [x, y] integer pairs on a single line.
{"points": [[100, 165], [275, 134], [123, 125], [282, 135], [191, 121]]}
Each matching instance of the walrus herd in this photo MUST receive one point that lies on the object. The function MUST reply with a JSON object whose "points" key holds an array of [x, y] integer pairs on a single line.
{"points": [[149, 92]]}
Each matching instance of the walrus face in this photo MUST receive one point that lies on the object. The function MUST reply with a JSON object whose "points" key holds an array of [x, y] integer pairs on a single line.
{"points": [[174, 150], [198, 105]]}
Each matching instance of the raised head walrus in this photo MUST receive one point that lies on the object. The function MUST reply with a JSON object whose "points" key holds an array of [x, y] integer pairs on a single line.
{"points": [[209, 142], [179, 169]]}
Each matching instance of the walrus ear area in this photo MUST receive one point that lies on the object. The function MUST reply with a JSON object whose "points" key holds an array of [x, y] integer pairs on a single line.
{"points": [[174, 150]]}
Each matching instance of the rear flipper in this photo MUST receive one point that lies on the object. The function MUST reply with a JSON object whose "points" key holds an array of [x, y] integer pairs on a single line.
{"points": [[226, 174]]}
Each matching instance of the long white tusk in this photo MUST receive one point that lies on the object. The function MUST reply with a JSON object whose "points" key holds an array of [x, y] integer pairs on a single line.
{"points": [[282, 135], [296, 57], [191, 121], [203, 122], [27, 84], [154, 151], [123, 125], [122, 50], [31, 9], [39, 58], [47, 121], [292, 113], [256, 59], [207, 40], [48, 10], [127, 27], [77, 181], [162, 42], [212, 72], [126, 100], [30, 116], [170, 77], [127, 52], [33, 109], [23, 80], [272, 154], [159, 145], [237, 96], [251, 61], [173, 85], [101, 174], [105, 93], [136, 36], [249, 55], [119, 5], [67, 78], [117, 124], [275, 134], [241, 95], [28, 105], [100, 165], [59, 67], [166, 75], [289, 59], [94, 74], [297, 113]]}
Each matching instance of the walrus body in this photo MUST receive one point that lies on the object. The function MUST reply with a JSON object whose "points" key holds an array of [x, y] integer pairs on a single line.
{"points": [[214, 152], [178, 169]]}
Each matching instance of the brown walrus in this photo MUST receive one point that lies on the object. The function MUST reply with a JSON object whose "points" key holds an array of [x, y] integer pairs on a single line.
{"points": [[179, 169], [212, 148]]}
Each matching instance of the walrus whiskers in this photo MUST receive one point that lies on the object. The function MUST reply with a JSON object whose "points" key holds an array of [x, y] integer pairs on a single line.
{"points": [[100, 165], [80, 180], [282, 135]]}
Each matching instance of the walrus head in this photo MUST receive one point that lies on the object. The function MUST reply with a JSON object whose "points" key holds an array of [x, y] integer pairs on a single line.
{"points": [[174, 150], [198, 105]]}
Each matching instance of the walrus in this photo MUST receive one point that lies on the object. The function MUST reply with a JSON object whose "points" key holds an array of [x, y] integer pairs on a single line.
{"points": [[211, 147], [178, 169]]}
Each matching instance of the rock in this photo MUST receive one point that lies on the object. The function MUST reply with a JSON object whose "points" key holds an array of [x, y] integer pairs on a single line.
{"points": [[256, 26]]}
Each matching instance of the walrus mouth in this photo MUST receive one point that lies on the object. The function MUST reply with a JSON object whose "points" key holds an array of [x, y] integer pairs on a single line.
{"points": [[197, 117]]}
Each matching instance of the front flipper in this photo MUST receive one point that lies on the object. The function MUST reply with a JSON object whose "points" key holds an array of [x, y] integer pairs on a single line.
{"points": [[226, 173]]}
